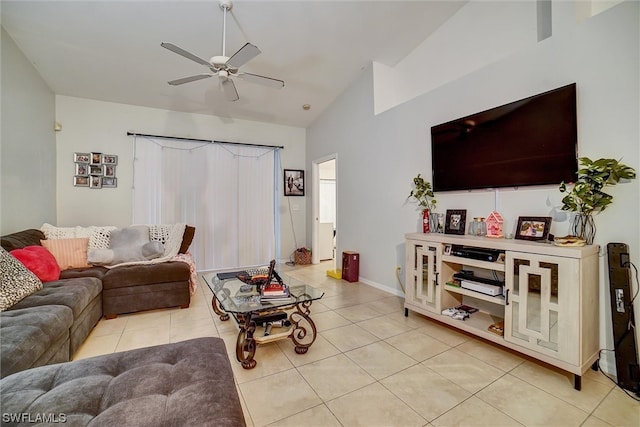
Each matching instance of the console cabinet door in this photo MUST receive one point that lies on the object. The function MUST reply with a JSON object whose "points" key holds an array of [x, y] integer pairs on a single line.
{"points": [[542, 311], [422, 275]]}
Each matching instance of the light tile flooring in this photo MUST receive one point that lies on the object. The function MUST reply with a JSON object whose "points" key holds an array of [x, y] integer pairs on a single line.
{"points": [[371, 366]]}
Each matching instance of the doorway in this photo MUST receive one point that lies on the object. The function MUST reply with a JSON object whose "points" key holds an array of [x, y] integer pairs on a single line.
{"points": [[324, 228]]}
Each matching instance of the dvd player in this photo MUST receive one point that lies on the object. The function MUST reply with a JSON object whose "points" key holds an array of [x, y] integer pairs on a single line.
{"points": [[473, 278], [482, 254]]}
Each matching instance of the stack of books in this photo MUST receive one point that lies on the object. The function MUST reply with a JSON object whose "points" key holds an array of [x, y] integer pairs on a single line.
{"points": [[274, 291]]}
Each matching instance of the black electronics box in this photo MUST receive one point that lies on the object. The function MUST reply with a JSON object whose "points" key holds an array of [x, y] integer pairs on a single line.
{"points": [[482, 254]]}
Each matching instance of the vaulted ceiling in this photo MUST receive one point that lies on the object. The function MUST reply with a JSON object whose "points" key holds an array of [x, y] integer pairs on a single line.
{"points": [[110, 50]]}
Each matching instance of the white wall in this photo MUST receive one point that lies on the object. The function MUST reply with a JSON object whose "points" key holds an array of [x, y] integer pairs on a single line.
{"points": [[27, 169], [89, 125], [472, 39], [379, 155]]}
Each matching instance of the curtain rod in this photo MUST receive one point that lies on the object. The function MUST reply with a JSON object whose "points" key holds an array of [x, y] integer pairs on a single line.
{"points": [[211, 141]]}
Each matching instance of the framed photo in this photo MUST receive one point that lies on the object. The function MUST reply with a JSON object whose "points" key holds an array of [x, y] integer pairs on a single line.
{"points": [[447, 249], [81, 157], [108, 170], [109, 159], [293, 182], [96, 158], [82, 169], [533, 227], [80, 181], [95, 170], [95, 182], [456, 221], [109, 182]]}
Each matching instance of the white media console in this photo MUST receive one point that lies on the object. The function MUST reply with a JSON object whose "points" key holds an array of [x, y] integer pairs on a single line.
{"points": [[549, 305]]}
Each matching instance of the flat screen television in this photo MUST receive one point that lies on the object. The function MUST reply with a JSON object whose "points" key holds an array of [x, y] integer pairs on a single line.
{"points": [[532, 141]]}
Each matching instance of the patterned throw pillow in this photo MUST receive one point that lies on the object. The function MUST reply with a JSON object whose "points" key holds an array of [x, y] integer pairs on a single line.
{"points": [[16, 282], [70, 253]]}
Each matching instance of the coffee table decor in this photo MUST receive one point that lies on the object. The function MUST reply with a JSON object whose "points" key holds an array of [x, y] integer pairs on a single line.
{"points": [[263, 320]]}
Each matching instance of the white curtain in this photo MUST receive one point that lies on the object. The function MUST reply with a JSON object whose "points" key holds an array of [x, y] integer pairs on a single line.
{"points": [[227, 191]]}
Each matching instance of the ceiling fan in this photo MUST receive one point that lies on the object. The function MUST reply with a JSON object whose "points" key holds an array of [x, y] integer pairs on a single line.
{"points": [[226, 68]]}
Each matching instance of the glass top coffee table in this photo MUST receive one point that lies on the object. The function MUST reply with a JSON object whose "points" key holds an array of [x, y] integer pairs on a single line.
{"points": [[261, 322]]}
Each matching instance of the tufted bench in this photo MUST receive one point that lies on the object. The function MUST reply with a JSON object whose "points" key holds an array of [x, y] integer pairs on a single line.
{"points": [[186, 383]]}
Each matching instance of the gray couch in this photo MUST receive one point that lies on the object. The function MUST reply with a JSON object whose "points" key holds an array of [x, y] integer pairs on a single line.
{"points": [[51, 324], [189, 383]]}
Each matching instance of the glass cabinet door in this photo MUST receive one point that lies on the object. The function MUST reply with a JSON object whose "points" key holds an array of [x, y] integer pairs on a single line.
{"points": [[422, 281], [542, 295]]}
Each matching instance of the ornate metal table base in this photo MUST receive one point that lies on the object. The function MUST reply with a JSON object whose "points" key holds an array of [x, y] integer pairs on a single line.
{"points": [[223, 315], [302, 332]]}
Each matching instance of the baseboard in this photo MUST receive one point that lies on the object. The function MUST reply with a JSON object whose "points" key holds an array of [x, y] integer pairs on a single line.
{"points": [[393, 291]]}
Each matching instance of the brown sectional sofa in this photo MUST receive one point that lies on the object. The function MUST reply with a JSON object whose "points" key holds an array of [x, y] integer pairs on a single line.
{"points": [[128, 288]]}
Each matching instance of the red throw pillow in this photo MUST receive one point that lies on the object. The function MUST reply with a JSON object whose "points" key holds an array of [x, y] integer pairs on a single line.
{"points": [[39, 261]]}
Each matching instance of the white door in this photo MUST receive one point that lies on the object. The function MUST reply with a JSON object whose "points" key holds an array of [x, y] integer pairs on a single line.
{"points": [[324, 231]]}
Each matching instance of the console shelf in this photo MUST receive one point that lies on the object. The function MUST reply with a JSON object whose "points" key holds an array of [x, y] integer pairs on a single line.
{"points": [[548, 291], [495, 266], [498, 299]]}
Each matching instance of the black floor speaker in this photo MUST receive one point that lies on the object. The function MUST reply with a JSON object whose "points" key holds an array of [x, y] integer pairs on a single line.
{"points": [[624, 338]]}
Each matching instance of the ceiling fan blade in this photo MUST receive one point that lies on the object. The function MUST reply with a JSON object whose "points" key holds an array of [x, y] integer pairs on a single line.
{"points": [[189, 79], [182, 52], [230, 89], [245, 54], [267, 81]]}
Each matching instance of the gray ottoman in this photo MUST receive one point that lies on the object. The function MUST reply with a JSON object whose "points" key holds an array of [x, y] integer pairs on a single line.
{"points": [[189, 383], [34, 336]]}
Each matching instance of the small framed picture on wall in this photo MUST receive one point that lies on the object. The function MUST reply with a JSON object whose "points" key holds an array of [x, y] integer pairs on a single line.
{"points": [[95, 170], [108, 182], [80, 181], [109, 159], [95, 182], [81, 157], [96, 158], [293, 182], [82, 169]]}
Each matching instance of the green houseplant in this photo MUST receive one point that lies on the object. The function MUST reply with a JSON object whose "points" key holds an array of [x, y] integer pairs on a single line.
{"points": [[423, 194], [587, 197]]}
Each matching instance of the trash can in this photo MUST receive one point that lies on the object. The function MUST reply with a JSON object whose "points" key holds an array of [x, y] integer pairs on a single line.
{"points": [[350, 266]]}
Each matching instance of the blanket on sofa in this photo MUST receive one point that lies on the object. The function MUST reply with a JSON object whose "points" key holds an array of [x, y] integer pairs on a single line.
{"points": [[170, 235]]}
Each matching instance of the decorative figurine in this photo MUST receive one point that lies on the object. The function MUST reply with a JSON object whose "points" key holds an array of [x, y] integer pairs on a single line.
{"points": [[494, 225]]}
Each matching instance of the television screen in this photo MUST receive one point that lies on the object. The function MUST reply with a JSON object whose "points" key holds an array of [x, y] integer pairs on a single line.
{"points": [[528, 142]]}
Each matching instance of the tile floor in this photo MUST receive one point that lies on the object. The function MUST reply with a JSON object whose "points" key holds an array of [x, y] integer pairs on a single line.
{"points": [[371, 366]]}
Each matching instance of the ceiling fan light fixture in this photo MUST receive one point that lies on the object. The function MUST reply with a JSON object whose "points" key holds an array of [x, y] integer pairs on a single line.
{"points": [[224, 66]]}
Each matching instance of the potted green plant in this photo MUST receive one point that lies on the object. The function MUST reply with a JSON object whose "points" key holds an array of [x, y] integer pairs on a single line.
{"points": [[587, 197], [423, 194]]}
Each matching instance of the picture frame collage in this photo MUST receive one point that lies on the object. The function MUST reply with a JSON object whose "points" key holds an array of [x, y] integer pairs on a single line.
{"points": [[95, 170]]}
